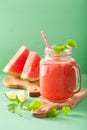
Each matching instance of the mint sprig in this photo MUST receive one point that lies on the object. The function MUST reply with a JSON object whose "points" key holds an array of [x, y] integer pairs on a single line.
{"points": [[12, 107], [61, 47], [17, 106], [71, 43]]}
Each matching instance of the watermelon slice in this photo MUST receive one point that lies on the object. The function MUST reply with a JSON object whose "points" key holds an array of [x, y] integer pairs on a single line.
{"points": [[31, 67], [16, 64]]}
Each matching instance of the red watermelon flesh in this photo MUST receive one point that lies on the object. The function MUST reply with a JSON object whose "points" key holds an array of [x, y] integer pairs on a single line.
{"points": [[16, 64], [31, 67]]}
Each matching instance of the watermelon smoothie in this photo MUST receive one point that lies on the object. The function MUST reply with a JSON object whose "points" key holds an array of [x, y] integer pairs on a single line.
{"points": [[58, 74]]}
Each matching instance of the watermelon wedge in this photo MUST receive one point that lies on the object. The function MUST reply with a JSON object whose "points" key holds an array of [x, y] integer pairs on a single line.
{"points": [[16, 64], [31, 67]]}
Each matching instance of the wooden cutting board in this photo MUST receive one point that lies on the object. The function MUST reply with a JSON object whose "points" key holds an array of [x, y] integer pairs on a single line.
{"points": [[34, 90], [14, 82]]}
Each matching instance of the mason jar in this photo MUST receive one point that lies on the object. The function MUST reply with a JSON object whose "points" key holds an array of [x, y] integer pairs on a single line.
{"points": [[60, 75]]}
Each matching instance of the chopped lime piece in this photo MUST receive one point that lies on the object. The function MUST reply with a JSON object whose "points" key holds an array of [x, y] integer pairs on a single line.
{"points": [[71, 43], [65, 110], [34, 105], [53, 112], [11, 95]]}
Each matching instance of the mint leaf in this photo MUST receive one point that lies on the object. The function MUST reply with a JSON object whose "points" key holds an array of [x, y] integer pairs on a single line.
{"points": [[12, 107], [53, 112], [65, 110], [34, 105], [59, 48], [71, 43]]}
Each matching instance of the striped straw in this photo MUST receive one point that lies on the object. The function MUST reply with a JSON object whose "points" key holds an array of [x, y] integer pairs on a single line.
{"points": [[45, 39]]}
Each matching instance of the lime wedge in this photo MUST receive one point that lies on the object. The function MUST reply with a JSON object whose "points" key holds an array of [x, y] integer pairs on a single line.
{"points": [[21, 95], [11, 95]]}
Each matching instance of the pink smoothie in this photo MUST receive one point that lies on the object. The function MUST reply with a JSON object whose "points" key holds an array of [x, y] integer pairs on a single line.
{"points": [[57, 79]]}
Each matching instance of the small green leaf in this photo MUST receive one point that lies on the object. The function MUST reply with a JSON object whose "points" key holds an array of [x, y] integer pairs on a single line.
{"points": [[12, 107], [34, 105], [71, 43], [53, 112], [65, 110], [59, 48]]}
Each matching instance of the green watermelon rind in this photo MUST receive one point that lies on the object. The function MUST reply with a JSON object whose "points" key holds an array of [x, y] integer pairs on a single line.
{"points": [[12, 74], [22, 77], [30, 79]]}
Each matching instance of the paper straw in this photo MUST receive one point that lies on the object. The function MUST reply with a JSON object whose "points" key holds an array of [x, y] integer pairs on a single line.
{"points": [[45, 39]]}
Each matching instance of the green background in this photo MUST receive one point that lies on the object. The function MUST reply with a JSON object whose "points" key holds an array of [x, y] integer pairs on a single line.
{"points": [[22, 20], [20, 24]]}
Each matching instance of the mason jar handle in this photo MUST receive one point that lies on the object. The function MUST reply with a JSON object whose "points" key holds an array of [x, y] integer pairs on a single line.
{"points": [[78, 76]]}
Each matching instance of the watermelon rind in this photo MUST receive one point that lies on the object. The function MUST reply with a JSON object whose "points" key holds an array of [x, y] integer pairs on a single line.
{"points": [[25, 77]]}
